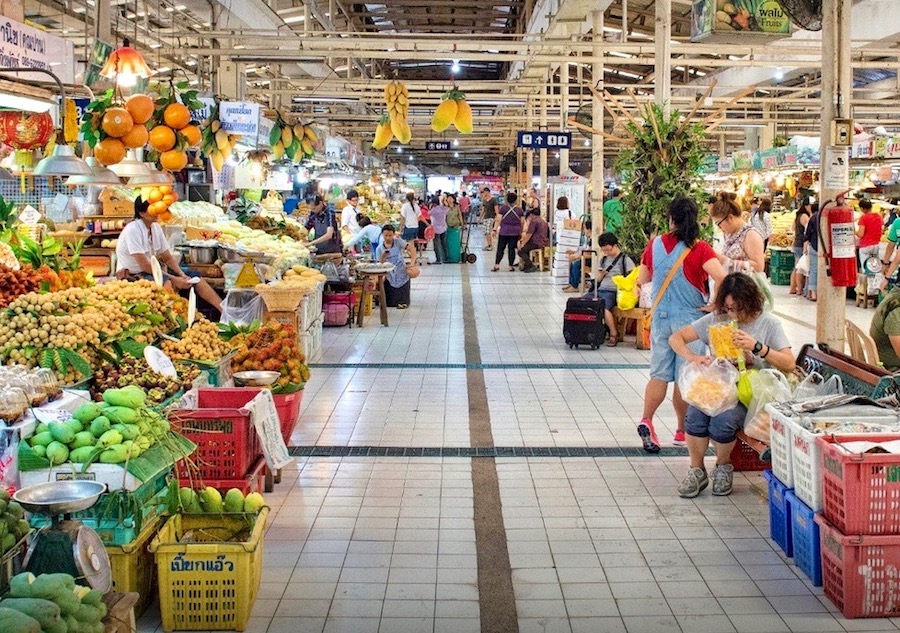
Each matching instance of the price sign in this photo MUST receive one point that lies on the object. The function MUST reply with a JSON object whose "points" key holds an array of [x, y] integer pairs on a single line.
{"points": [[544, 140], [159, 362]]}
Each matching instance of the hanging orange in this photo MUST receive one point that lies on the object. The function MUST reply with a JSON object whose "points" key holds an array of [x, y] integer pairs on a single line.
{"points": [[137, 137], [155, 195], [192, 134], [117, 122], [165, 216], [109, 151], [177, 116], [162, 138], [156, 208], [173, 160], [140, 107]]}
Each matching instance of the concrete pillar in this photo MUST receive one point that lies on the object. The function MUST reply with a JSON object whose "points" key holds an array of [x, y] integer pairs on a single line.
{"points": [[596, 206], [662, 67], [529, 153], [837, 86], [103, 30], [563, 112], [542, 153]]}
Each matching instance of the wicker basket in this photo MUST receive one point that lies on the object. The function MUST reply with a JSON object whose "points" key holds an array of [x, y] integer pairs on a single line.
{"points": [[281, 298]]}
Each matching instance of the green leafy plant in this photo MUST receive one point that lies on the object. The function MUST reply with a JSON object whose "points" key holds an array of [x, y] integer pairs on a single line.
{"points": [[661, 162]]}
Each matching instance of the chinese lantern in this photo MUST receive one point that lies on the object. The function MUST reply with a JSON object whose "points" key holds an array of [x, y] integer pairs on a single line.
{"points": [[25, 130]]}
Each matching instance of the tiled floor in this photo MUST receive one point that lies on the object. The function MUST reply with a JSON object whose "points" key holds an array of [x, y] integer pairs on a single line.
{"points": [[595, 544]]}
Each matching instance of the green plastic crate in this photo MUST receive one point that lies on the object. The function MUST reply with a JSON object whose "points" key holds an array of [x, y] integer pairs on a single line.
{"points": [[781, 260], [780, 277]]}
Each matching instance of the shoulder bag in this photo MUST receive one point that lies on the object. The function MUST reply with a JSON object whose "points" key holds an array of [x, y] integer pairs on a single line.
{"points": [[647, 321]]}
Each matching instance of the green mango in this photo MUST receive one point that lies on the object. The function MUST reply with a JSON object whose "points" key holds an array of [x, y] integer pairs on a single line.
{"points": [[86, 413], [100, 426], [114, 455], [110, 438], [40, 451], [83, 438], [81, 455], [42, 439], [75, 424]]}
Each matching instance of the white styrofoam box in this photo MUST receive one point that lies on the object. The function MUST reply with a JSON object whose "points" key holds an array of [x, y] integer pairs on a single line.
{"points": [[311, 308], [562, 233], [567, 243], [311, 340], [113, 475]]}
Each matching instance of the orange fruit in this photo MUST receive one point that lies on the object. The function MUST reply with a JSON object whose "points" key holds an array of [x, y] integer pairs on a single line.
{"points": [[156, 208], [162, 138], [137, 137], [109, 151], [164, 189], [155, 195], [117, 122], [176, 116], [169, 198], [173, 160], [192, 134], [165, 216], [140, 107]]}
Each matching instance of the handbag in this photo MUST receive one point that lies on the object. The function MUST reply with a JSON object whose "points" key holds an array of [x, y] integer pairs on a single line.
{"points": [[647, 321], [413, 271]]}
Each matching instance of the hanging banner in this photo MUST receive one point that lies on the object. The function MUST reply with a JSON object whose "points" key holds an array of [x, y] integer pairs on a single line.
{"points": [[733, 20], [23, 45], [239, 117]]}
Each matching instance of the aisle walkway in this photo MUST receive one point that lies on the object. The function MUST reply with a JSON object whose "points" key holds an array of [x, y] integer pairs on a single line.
{"points": [[463, 471]]}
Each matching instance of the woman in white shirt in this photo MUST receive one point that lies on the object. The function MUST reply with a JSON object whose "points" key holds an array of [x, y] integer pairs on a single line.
{"points": [[143, 238], [368, 235], [410, 218]]}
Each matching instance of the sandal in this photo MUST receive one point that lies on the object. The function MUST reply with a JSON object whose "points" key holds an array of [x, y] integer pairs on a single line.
{"points": [[511, 268], [402, 306], [613, 340], [495, 269]]}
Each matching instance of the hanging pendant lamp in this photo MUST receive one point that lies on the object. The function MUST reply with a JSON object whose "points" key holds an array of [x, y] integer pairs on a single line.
{"points": [[126, 65]]}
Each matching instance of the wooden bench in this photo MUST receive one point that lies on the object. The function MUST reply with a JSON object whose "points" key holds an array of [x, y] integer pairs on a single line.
{"points": [[857, 377], [623, 319]]}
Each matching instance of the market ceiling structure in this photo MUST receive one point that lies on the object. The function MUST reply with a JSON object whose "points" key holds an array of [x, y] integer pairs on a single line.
{"points": [[329, 60]]}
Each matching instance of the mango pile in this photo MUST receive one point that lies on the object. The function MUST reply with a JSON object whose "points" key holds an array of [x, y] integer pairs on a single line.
{"points": [[51, 603], [216, 143], [295, 142], [455, 111], [208, 500], [116, 430], [13, 525]]}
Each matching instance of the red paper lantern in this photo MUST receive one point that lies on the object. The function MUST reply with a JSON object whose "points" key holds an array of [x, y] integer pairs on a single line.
{"points": [[25, 130]]}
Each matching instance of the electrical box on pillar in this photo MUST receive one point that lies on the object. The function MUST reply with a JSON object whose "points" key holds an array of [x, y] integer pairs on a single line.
{"points": [[232, 81], [839, 242]]}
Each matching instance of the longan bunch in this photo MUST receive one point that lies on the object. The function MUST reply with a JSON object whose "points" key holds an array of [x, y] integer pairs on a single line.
{"points": [[199, 342]]}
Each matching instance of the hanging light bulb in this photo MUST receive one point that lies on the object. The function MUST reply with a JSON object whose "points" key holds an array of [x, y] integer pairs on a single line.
{"points": [[126, 65]]}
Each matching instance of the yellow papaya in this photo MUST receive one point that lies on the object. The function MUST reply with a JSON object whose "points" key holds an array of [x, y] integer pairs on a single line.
{"points": [[383, 135], [444, 115], [463, 120]]}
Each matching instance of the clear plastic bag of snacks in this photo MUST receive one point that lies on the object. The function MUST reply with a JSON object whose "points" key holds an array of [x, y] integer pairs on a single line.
{"points": [[711, 388]]}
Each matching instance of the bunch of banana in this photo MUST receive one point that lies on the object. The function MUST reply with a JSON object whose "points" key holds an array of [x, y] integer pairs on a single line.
{"points": [[295, 141], [71, 115], [215, 142], [396, 96], [455, 111]]}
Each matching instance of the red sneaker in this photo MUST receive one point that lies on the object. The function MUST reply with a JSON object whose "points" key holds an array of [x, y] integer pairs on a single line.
{"points": [[648, 436], [679, 440]]}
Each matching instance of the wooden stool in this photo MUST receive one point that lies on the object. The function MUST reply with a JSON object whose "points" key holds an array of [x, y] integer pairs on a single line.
{"points": [[541, 257], [863, 298], [623, 317], [585, 258]]}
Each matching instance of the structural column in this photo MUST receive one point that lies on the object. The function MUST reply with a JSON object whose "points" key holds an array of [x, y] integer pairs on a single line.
{"points": [[563, 112], [662, 37], [542, 153], [837, 87], [529, 153], [597, 141]]}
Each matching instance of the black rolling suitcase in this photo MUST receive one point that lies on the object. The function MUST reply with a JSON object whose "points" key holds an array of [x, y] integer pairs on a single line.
{"points": [[583, 322]]}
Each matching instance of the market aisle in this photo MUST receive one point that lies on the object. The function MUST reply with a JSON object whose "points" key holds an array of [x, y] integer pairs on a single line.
{"points": [[386, 525]]}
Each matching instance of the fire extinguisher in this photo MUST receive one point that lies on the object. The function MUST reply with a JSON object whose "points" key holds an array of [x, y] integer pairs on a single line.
{"points": [[839, 243]]}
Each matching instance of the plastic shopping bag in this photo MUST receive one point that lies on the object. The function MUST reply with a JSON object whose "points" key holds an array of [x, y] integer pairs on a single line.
{"points": [[769, 385], [242, 308], [626, 295], [711, 388], [815, 386], [802, 264]]}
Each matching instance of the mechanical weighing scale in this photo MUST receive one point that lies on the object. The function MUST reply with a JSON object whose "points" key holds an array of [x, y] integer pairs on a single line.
{"points": [[65, 545]]}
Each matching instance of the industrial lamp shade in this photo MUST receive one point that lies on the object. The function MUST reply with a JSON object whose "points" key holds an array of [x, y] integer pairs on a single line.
{"points": [[155, 177], [99, 175], [127, 62], [62, 162], [130, 167]]}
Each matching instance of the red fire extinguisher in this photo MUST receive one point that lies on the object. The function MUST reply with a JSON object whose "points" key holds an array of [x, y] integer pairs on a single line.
{"points": [[839, 243]]}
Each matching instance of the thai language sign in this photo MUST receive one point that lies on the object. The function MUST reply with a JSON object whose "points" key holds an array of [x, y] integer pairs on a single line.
{"points": [[239, 117], [23, 45]]}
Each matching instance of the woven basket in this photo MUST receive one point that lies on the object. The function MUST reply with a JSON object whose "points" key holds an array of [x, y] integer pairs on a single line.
{"points": [[282, 298]]}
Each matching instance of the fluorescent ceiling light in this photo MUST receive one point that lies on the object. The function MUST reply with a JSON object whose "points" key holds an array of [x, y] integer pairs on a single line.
{"points": [[625, 73], [294, 18], [740, 123], [17, 102], [619, 54]]}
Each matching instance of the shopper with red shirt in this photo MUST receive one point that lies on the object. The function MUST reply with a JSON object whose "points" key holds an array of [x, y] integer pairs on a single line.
{"points": [[681, 303], [869, 232]]}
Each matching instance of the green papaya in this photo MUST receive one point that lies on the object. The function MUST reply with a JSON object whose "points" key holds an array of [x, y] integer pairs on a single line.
{"points": [[87, 413], [20, 585], [100, 426], [93, 598], [42, 610]]}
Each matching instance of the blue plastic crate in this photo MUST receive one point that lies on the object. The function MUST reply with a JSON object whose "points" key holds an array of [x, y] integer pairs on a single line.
{"points": [[807, 546], [779, 514]]}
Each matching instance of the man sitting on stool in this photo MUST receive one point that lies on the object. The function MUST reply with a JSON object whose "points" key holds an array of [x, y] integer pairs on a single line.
{"points": [[537, 236]]}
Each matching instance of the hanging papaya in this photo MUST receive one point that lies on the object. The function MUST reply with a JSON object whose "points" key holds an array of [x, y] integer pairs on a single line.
{"points": [[444, 115], [383, 133], [463, 120]]}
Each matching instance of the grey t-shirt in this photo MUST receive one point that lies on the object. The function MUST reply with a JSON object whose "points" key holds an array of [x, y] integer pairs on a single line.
{"points": [[765, 328], [622, 267]]}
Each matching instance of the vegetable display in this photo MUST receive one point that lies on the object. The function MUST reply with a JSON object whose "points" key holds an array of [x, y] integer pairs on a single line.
{"points": [[51, 603], [208, 500]]}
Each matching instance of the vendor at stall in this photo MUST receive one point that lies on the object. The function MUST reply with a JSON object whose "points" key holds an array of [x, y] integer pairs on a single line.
{"points": [[349, 222], [390, 251], [142, 239], [368, 234], [322, 221]]}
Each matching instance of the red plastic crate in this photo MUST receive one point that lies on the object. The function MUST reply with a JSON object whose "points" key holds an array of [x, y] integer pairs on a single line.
{"points": [[744, 458], [860, 572], [227, 443], [861, 490], [288, 407], [253, 481]]}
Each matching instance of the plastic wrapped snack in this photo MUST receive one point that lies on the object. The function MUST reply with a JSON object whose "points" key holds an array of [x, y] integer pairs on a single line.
{"points": [[721, 341], [711, 388]]}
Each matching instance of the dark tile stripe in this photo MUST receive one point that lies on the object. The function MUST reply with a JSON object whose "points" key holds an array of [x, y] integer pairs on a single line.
{"points": [[480, 365], [496, 598], [484, 451]]}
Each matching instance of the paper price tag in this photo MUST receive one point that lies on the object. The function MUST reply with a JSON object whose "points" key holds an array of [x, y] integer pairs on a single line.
{"points": [[159, 362], [51, 415], [30, 215]]}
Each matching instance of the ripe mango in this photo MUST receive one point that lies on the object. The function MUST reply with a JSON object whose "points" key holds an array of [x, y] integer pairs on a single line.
{"points": [[253, 502], [234, 500], [444, 115], [211, 500]]}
